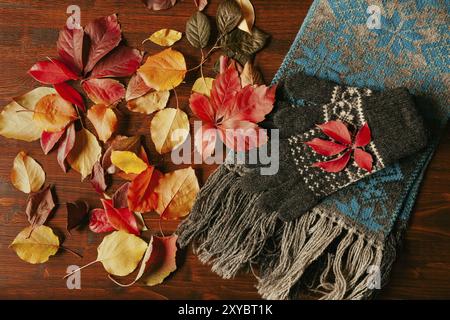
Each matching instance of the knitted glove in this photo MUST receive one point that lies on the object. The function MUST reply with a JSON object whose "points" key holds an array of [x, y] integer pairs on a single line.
{"points": [[306, 174]]}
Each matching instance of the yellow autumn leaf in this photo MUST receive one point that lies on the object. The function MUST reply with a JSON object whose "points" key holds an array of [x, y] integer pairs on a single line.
{"points": [[176, 193], [128, 162], [164, 70], [104, 120], [27, 175], [169, 129], [149, 103], [85, 153], [165, 37], [53, 113], [16, 118], [248, 15], [120, 252], [35, 245], [203, 86]]}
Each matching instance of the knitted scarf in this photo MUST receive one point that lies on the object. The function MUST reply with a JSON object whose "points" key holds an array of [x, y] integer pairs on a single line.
{"points": [[335, 250]]}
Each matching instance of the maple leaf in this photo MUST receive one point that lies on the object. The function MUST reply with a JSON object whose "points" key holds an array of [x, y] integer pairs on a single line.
{"points": [[339, 132], [232, 112]]}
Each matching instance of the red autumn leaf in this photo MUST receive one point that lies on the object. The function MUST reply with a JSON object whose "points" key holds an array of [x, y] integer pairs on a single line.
{"points": [[202, 108], [363, 136], [136, 87], [141, 193], [104, 91], [49, 140], [334, 165], [325, 147], [51, 71], [66, 145], [337, 130], [70, 94], [224, 90], [119, 198], [120, 218], [205, 140], [121, 62], [70, 48], [104, 34], [97, 179], [242, 135], [98, 221], [76, 212], [363, 159]]}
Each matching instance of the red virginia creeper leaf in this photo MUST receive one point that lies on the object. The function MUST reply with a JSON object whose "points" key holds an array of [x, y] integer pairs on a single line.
{"points": [[104, 34], [76, 213], [325, 147], [336, 130], [363, 136], [98, 178], [242, 135], [98, 221], [66, 145], [120, 218], [136, 87], [123, 61], [141, 193], [202, 108], [70, 94], [51, 71], [205, 140], [363, 159], [119, 199], [49, 140], [224, 90], [334, 165], [70, 48], [104, 91]]}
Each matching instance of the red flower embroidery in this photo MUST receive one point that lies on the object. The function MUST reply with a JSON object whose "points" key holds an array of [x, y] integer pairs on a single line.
{"points": [[339, 132]]}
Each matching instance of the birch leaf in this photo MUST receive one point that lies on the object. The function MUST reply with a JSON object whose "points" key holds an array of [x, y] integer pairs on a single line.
{"points": [[53, 113], [104, 120], [85, 153], [176, 193], [149, 103], [169, 129], [203, 86], [164, 70], [35, 246], [27, 175], [228, 16], [128, 162], [198, 30], [165, 37]]}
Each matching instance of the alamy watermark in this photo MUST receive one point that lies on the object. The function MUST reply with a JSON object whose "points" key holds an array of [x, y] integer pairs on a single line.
{"points": [[74, 20], [73, 281], [374, 19], [374, 279]]}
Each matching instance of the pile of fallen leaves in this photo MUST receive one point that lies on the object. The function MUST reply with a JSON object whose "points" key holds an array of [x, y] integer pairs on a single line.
{"points": [[94, 59]]}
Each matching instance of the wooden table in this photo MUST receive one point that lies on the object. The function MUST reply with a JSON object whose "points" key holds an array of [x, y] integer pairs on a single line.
{"points": [[28, 32]]}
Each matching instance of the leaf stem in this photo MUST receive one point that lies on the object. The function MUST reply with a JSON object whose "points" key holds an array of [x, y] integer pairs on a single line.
{"points": [[208, 54], [72, 252], [80, 268]]}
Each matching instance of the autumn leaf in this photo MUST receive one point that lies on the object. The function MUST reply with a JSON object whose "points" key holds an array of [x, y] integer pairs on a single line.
{"points": [[70, 94], [27, 175], [16, 118], [228, 16], [176, 193], [104, 91], [150, 102], [169, 129], [203, 86], [136, 88], [120, 218], [248, 13], [104, 120], [39, 206], [52, 71], [85, 153], [119, 198], [198, 30], [97, 179], [164, 70], [66, 146], [141, 196], [120, 143], [165, 37], [98, 221], [162, 261], [53, 113], [50, 139], [201, 4], [123, 61], [128, 162], [76, 213], [35, 246], [70, 48], [250, 75], [159, 4], [104, 35]]}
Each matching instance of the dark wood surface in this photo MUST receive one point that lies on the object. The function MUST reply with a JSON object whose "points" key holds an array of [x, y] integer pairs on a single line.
{"points": [[28, 31]]}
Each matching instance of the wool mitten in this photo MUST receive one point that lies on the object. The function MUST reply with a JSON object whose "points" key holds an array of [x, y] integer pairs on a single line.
{"points": [[331, 145]]}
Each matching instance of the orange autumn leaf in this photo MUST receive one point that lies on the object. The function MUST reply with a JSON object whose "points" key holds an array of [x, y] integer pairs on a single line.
{"points": [[104, 120], [53, 113], [176, 193], [141, 192], [164, 70], [162, 261]]}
